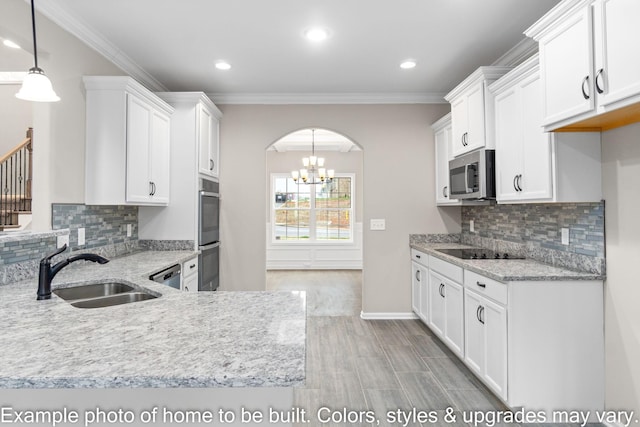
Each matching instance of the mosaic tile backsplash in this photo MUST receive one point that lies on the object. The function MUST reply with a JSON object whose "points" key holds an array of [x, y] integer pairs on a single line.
{"points": [[534, 230]]}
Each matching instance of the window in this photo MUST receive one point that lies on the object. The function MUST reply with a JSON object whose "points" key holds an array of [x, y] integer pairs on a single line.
{"points": [[321, 213]]}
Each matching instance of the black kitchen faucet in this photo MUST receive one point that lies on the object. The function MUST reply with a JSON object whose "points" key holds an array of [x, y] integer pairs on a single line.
{"points": [[48, 272]]}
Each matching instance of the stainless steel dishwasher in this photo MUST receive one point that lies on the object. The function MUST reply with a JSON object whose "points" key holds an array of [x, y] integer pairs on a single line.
{"points": [[169, 277]]}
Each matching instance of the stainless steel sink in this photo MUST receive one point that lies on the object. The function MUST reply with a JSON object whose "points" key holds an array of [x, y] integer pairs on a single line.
{"points": [[125, 298], [94, 290], [103, 294]]}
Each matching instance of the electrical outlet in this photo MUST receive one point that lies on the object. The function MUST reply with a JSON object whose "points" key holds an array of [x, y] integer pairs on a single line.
{"points": [[62, 240], [565, 235], [377, 225], [129, 232], [81, 236], [471, 226]]}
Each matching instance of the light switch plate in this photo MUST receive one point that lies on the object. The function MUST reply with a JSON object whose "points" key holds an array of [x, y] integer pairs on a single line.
{"points": [[378, 225], [565, 236], [81, 236]]}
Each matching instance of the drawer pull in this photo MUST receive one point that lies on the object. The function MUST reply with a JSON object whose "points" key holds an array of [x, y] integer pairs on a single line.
{"points": [[482, 285], [192, 266], [418, 256]]}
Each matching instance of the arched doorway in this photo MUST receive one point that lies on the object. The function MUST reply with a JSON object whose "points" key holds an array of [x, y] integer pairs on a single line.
{"points": [[314, 228]]}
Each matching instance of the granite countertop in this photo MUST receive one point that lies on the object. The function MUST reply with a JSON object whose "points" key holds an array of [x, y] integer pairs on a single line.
{"points": [[181, 339], [506, 270]]}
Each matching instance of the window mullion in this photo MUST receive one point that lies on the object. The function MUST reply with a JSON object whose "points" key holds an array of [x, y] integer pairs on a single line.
{"points": [[312, 215]]}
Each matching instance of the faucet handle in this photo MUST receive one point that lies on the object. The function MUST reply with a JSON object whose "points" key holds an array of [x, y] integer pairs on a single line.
{"points": [[47, 258]]}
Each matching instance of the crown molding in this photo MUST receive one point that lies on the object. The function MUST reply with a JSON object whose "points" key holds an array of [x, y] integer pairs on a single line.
{"points": [[515, 56], [327, 98], [99, 43]]}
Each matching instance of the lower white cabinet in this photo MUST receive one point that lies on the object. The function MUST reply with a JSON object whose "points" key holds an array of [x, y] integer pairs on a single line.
{"points": [[486, 340], [420, 284], [190, 275], [538, 345]]}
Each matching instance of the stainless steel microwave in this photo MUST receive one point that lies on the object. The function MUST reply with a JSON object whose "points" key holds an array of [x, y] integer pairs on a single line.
{"points": [[473, 176]]}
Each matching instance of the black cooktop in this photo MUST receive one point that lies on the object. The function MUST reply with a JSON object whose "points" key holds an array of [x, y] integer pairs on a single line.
{"points": [[478, 253]]}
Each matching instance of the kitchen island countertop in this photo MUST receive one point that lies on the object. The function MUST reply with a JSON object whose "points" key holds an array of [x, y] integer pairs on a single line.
{"points": [[506, 270], [181, 339]]}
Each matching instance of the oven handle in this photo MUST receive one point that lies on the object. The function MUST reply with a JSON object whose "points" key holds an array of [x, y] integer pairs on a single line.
{"points": [[208, 194], [209, 246]]}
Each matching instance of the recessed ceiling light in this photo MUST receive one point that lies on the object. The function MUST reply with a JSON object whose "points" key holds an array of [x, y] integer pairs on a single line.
{"points": [[223, 65], [316, 34], [408, 64], [10, 44]]}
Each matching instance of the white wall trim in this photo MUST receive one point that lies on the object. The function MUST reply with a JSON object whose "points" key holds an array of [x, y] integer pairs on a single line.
{"points": [[388, 316], [316, 265], [12, 77], [99, 43], [525, 49], [327, 98]]}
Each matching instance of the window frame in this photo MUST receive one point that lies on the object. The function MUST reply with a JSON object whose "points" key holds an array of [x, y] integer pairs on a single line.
{"points": [[313, 240]]}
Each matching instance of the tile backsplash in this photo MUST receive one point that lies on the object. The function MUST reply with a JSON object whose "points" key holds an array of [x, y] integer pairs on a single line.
{"points": [[534, 230]]}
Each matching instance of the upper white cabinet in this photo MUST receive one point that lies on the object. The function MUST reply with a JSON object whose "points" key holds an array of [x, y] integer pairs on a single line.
{"points": [[194, 121], [590, 73], [127, 146], [472, 111], [442, 138], [533, 165], [208, 139]]}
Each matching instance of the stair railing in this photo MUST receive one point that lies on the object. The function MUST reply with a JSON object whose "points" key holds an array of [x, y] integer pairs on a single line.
{"points": [[16, 173]]}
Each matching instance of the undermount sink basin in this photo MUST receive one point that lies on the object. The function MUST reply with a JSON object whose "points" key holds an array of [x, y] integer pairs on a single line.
{"points": [[125, 298], [93, 290], [103, 294]]}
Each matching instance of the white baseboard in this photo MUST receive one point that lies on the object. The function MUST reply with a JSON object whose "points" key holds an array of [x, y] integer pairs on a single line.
{"points": [[388, 316], [318, 265]]}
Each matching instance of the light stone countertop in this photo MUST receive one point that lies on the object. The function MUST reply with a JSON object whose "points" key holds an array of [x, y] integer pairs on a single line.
{"points": [[181, 339], [506, 270]]}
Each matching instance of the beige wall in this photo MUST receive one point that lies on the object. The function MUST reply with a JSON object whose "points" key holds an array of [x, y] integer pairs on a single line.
{"points": [[15, 117], [59, 128], [398, 185], [621, 176]]}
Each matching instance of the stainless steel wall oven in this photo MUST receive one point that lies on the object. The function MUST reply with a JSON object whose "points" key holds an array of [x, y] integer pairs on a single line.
{"points": [[209, 235]]}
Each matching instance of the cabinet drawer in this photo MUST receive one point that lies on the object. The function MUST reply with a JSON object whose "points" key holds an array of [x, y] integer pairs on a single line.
{"points": [[484, 286], [420, 257], [447, 269], [190, 267]]}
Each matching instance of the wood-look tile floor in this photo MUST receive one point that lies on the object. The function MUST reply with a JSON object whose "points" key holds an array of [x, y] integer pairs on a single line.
{"points": [[379, 365]]}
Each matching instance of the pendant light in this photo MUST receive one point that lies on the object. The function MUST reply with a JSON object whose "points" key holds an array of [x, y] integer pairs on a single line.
{"points": [[36, 86]]}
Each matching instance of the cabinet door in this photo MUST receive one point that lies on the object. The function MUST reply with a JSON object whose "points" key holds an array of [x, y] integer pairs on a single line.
{"points": [[139, 116], [190, 284], [436, 302], [454, 317], [416, 281], [475, 118], [459, 126], [508, 114], [160, 150], [618, 67], [424, 294], [566, 64], [495, 323], [214, 147], [442, 143], [474, 336], [535, 181], [206, 164]]}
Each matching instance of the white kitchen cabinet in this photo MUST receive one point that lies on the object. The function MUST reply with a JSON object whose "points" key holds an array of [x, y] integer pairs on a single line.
{"points": [[486, 340], [590, 76], [208, 140], [419, 284], [190, 275], [127, 157], [533, 165], [442, 142], [472, 111], [446, 316], [178, 221]]}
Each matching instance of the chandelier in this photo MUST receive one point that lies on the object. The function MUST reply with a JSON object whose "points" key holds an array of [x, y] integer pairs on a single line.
{"points": [[313, 171]]}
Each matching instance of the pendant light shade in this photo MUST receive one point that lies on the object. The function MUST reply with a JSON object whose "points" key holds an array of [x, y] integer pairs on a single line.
{"points": [[36, 86]]}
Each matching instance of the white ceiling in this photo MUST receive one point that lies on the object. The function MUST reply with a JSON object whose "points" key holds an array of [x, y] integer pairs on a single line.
{"points": [[174, 44]]}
